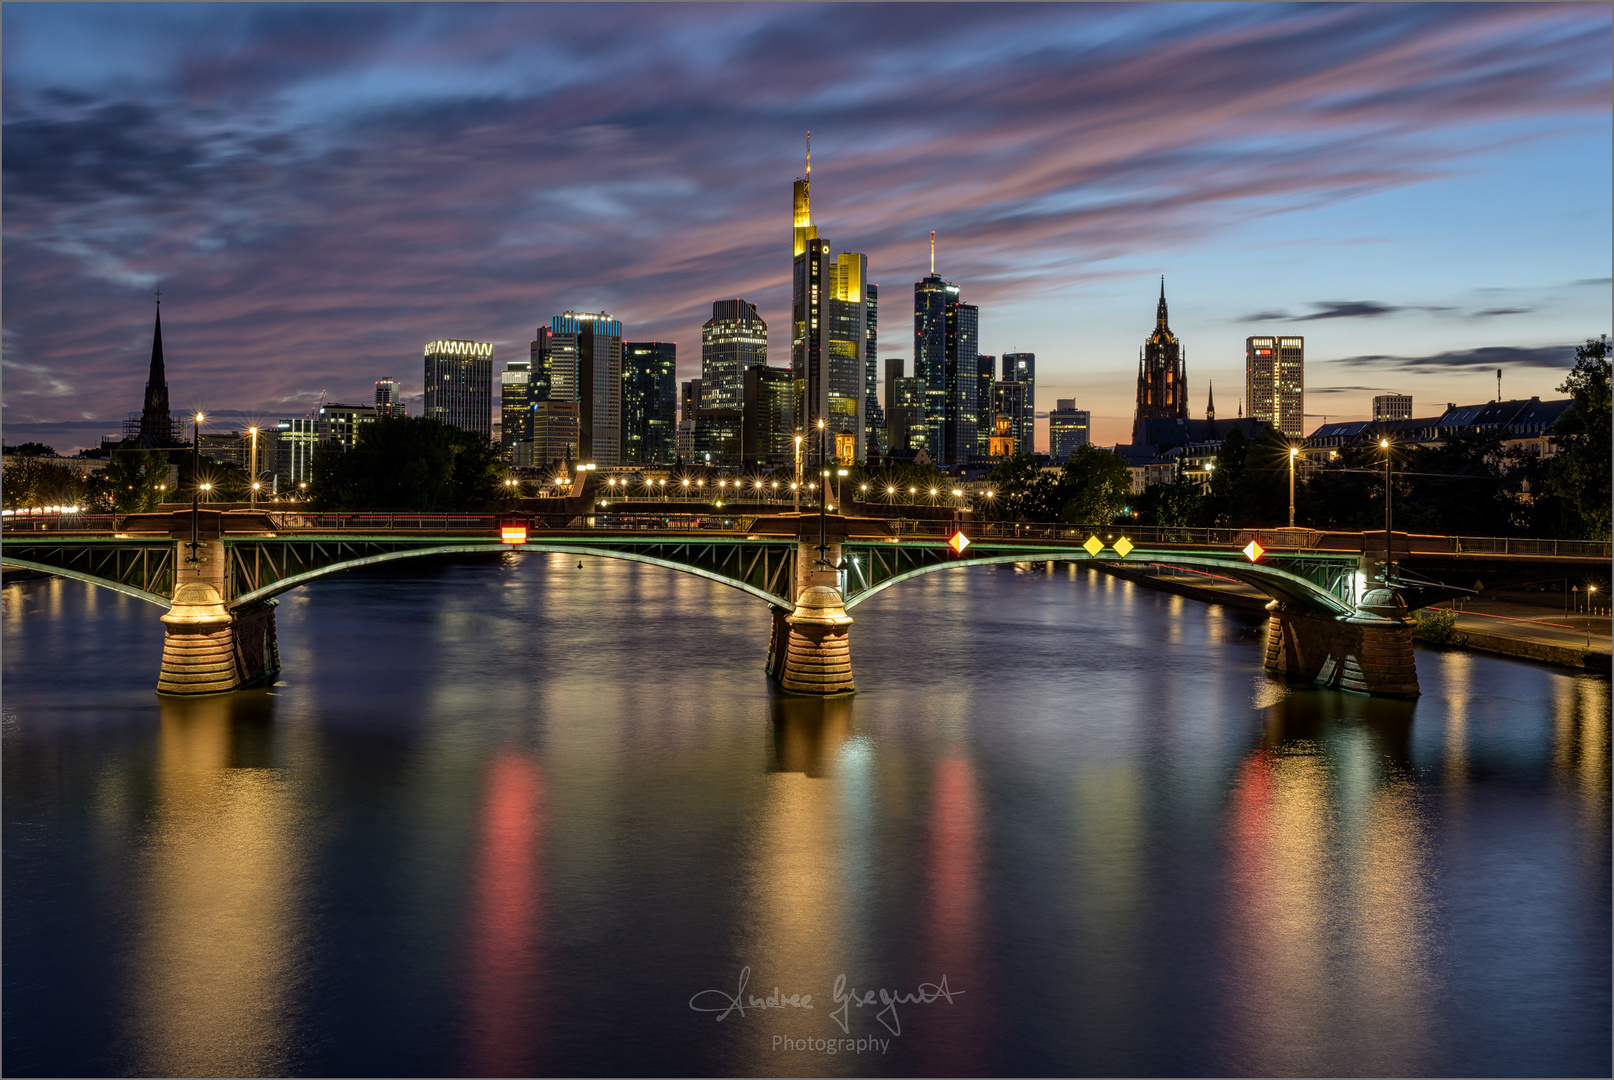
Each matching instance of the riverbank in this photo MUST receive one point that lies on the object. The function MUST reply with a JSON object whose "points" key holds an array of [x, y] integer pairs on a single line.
{"points": [[1515, 626]]}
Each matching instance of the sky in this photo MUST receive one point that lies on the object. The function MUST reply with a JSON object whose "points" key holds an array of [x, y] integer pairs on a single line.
{"points": [[1423, 192]]}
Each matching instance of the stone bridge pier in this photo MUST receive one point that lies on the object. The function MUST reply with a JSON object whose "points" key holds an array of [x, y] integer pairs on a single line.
{"points": [[207, 647], [810, 649], [1368, 652]]}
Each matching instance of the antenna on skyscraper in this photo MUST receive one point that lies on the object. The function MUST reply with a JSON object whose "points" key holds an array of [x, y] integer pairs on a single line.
{"points": [[932, 252], [809, 154]]}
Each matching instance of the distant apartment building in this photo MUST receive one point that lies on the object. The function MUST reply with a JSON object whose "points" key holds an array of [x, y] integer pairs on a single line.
{"points": [[339, 425], [1274, 382], [1392, 407], [459, 384], [1068, 428], [388, 397]]}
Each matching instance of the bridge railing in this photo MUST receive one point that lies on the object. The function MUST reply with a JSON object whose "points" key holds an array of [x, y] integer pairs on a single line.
{"points": [[58, 522], [301, 521]]}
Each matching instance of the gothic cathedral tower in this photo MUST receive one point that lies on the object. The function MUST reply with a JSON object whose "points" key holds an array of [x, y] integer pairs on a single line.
{"points": [[1162, 384]]}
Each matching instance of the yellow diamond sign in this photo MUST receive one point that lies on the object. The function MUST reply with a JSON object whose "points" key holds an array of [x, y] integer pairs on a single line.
{"points": [[1123, 546], [959, 542], [1254, 551], [1093, 546]]}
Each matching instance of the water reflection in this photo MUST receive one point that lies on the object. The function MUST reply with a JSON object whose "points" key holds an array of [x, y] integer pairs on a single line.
{"points": [[220, 906], [505, 995], [796, 926], [1328, 914]]}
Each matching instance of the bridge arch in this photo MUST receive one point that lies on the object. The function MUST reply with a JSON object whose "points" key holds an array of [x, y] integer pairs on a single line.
{"points": [[1279, 584], [91, 579], [284, 584]]}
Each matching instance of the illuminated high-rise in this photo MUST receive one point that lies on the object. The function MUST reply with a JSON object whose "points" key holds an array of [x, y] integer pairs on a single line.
{"points": [[515, 404], [1021, 367], [946, 363], [578, 357], [873, 414], [1068, 428], [1274, 382], [388, 397], [733, 339], [829, 327], [459, 384], [649, 402]]}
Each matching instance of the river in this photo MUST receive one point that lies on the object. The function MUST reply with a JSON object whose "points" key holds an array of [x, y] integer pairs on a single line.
{"points": [[510, 815]]}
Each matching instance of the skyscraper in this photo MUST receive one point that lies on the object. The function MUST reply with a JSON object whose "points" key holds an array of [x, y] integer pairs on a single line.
{"points": [[733, 339], [767, 406], [986, 373], [1008, 399], [1274, 381], [580, 359], [515, 405], [156, 425], [1162, 381], [1021, 367], [960, 412], [945, 351], [388, 397], [459, 384], [829, 326], [649, 402], [1068, 428], [873, 415]]}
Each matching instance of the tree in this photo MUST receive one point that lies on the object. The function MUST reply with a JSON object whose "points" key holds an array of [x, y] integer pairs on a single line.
{"points": [[132, 481], [1095, 486], [35, 481], [1170, 505], [1580, 469], [1021, 491], [410, 463], [31, 449]]}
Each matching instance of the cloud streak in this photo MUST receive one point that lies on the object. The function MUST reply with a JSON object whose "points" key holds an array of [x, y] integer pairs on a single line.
{"points": [[321, 189]]}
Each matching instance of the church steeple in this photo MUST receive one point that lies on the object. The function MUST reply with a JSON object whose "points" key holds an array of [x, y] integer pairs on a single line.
{"points": [[1160, 311], [155, 428], [1210, 401]]}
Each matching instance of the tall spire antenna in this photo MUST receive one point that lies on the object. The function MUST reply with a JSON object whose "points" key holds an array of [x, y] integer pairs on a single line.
{"points": [[809, 154], [932, 252], [159, 296]]}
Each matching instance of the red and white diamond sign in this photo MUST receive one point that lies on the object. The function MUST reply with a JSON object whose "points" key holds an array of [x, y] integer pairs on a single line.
{"points": [[1254, 551], [959, 542]]}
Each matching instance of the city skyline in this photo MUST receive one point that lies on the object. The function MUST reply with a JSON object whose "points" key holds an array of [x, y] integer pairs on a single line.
{"points": [[1388, 191]]}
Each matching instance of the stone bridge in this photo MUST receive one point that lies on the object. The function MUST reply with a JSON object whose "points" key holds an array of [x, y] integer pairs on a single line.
{"points": [[1337, 616]]}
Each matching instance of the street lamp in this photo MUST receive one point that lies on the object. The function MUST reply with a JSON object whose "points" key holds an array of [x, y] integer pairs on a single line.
{"points": [[796, 487], [196, 472], [1385, 443], [1294, 452], [252, 500]]}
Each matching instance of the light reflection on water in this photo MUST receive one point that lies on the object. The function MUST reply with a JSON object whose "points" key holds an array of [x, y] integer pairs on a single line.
{"points": [[508, 816]]}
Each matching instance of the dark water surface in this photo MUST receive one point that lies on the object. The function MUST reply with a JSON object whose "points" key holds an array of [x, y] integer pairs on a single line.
{"points": [[506, 815]]}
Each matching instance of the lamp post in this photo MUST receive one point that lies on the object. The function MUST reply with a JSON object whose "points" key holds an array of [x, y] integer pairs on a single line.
{"points": [[796, 487], [252, 500], [1293, 453], [1385, 443], [196, 491], [823, 492]]}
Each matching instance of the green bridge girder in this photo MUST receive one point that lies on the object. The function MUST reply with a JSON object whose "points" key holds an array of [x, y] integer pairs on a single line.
{"points": [[262, 567]]}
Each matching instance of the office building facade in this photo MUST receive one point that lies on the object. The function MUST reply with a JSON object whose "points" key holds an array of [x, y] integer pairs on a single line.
{"points": [[388, 397], [1392, 407], [767, 435], [649, 402], [515, 405], [294, 444], [1021, 368], [1008, 399], [339, 425], [986, 373], [1274, 382], [459, 384], [579, 359], [733, 339], [1068, 428], [873, 414]]}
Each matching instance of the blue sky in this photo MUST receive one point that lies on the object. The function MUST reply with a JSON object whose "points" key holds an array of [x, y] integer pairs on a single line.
{"points": [[1422, 191]]}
